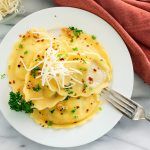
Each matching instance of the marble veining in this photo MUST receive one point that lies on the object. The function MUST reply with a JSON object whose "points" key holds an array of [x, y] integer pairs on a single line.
{"points": [[126, 135]]}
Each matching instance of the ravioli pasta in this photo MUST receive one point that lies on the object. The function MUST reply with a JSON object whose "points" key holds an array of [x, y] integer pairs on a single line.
{"points": [[61, 75]]}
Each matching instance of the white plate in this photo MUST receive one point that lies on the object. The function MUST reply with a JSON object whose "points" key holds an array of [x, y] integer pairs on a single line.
{"points": [[122, 76]]}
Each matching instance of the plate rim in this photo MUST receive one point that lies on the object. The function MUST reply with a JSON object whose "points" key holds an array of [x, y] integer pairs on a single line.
{"points": [[131, 67]]}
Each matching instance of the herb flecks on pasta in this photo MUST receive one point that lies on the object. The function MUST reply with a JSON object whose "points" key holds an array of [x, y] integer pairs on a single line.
{"points": [[57, 79]]}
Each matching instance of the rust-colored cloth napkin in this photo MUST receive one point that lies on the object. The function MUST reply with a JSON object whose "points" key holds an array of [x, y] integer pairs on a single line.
{"points": [[131, 19]]}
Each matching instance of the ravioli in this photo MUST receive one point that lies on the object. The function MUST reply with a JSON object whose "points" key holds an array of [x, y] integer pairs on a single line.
{"points": [[61, 75], [24, 49], [68, 112]]}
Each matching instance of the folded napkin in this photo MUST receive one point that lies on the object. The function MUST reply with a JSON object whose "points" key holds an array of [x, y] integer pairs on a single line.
{"points": [[131, 19]]}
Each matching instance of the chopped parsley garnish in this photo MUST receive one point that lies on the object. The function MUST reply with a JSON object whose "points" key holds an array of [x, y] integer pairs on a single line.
{"points": [[38, 59], [75, 49], [67, 97], [70, 92], [2, 76], [68, 89], [20, 46], [83, 69], [34, 71], [17, 103], [61, 56], [84, 61], [93, 37], [49, 123], [25, 52], [52, 111], [85, 86], [75, 117], [100, 108], [73, 110], [37, 88], [76, 31], [9, 66]]}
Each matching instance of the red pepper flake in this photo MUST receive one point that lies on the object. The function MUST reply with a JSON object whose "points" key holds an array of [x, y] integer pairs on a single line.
{"points": [[43, 57], [94, 70], [38, 55], [42, 40], [91, 103], [28, 87], [85, 38], [19, 66], [61, 59], [78, 107], [35, 37], [38, 41], [87, 110], [9, 82], [13, 81], [90, 79], [87, 45], [21, 57], [83, 91], [23, 36]]}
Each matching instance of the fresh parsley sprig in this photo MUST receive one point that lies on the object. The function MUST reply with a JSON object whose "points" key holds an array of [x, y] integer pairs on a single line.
{"points": [[17, 103], [76, 31], [35, 71]]}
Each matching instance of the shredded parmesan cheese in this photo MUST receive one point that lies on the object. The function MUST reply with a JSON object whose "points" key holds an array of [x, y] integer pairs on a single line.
{"points": [[8, 7], [53, 68]]}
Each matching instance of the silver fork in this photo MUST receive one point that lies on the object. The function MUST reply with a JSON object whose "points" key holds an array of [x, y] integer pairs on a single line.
{"points": [[126, 106]]}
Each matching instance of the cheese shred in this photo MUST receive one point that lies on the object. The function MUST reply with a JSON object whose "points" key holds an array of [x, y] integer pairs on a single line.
{"points": [[8, 7]]}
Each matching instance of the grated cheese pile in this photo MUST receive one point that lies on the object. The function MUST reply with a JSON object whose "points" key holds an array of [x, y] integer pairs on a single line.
{"points": [[8, 7], [55, 69]]}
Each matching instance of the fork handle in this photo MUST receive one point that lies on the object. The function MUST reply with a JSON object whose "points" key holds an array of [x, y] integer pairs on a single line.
{"points": [[147, 117]]}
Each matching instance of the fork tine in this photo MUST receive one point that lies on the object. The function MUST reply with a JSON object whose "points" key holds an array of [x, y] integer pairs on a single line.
{"points": [[130, 103], [119, 107], [116, 100]]}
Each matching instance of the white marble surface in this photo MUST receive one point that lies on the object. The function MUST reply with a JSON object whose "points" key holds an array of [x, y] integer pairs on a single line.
{"points": [[126, 135]]}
